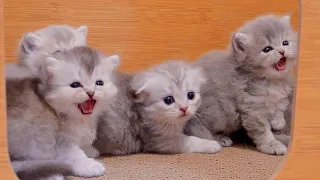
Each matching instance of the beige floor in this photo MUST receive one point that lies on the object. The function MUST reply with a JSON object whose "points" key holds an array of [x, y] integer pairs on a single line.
{"points": [[232, 163]]}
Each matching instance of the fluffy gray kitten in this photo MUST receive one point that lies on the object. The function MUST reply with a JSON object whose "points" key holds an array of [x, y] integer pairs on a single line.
{"points": [[249, 85], [53, 38], [53, 117], [151, 110]]}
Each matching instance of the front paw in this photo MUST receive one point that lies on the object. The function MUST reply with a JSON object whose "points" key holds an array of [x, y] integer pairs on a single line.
{"points": [[274, 148], [88, 168], [209, 146], [278, 124], [224, 140]]}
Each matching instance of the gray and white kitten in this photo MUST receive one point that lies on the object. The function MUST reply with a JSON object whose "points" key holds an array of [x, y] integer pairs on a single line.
{"points": [[53, 117], [48, 40], [151, 110], [249, 85]]}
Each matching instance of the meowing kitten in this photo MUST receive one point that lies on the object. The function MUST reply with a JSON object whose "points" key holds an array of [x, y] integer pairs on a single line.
{"points": [[266, 50], [249, 84], [149, 115], [48, 40], [51, 118]]}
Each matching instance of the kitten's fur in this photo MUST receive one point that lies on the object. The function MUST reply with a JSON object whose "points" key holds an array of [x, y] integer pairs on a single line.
{"points": [[44, 121], [47, 40], [142, 122], [244, 87]]}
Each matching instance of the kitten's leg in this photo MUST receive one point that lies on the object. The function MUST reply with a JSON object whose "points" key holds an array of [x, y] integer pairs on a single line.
{"points": [[195, 129], [194, 144], [81, 164], [278, 122], [259, 131], [285, 139], [223, 140], [53, 177], [91, 151]]}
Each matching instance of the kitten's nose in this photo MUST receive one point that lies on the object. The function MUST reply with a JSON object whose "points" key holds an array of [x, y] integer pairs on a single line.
{"points": [[90, 94], [184, 109], [282, 53]]}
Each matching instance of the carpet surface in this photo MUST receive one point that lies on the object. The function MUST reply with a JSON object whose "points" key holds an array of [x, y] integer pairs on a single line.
{"points": [[232, 163]]}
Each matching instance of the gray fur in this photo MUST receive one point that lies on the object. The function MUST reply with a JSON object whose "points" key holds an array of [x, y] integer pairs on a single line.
{"points": [[44, 122], [48, 40], [139, 120], [37, 170], [244, 87]]}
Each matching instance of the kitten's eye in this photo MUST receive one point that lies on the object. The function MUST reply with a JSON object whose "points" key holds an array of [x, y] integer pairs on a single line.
{"points": [[285, 43], [168, 100], [99, 83], [75, 85], [190, 95], [267, 49]]}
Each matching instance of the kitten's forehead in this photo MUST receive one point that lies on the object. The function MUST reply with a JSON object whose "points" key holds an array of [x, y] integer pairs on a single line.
{"points": [[268, 27], [174, 75], [86, 58]]}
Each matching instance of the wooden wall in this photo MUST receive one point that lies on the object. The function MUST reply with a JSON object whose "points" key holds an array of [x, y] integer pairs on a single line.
{"points": [[142, 32]]}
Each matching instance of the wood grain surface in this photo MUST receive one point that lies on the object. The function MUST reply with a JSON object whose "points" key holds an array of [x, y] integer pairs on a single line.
{"points": [[145, 33]]}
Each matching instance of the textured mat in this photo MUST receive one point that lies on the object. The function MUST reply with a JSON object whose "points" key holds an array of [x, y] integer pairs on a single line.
{"points": [[232, 163]]}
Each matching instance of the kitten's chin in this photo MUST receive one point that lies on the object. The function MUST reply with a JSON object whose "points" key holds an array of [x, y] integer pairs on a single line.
{"points": [[87, 106]]}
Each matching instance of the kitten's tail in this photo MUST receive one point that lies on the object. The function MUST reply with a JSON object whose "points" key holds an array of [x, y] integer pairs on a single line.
{"points": [[40, 169]]}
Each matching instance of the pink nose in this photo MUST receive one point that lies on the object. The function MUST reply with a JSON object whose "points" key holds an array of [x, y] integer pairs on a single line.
{"points": [[184, 109], [282, 53], [90, 94]]}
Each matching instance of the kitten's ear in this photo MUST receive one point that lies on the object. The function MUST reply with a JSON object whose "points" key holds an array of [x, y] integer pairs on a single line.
{"points": [[30, 42], [199, 76], [141, 94], [112, 61], [83, 30], [286, 19], [239, 43], [48, 67], [139, 85]]}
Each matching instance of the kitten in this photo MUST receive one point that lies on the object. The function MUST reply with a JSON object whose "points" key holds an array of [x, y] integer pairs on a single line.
{"points": [[48, 40], [151, 110], [250, 84], [50, 118]]}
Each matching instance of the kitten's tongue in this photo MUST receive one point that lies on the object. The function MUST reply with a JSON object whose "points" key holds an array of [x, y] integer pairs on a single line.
{"points": [[281, 65], [87, 106]]}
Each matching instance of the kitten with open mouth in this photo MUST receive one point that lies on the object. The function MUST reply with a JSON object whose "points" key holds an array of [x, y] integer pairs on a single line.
{"points": [[72, 85]]}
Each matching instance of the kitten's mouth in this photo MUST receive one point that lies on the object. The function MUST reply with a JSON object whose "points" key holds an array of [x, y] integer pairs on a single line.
{"points": [[281, 64], [87, 106]]}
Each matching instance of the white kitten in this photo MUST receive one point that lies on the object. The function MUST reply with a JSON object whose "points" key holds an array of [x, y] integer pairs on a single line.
{"points": [[50, 119]]}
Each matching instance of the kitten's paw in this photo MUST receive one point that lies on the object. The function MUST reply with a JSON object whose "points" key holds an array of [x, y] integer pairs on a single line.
{"points": [[278, 124], [208, 146], [88, 168], [274, 147], [91, 152], [224, 140], [54, 177]]}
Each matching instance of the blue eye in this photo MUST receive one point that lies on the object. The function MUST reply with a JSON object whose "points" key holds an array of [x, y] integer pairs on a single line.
{"points": [[267, 49], [190, 95], [75, 85], [99, 83], [168, 100], [285, 43]]}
